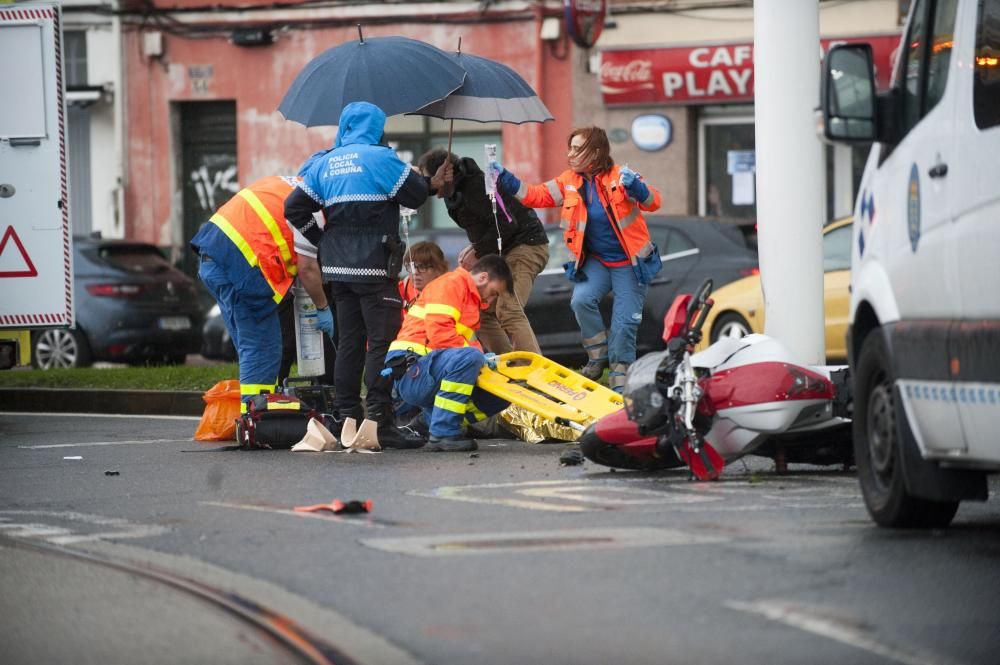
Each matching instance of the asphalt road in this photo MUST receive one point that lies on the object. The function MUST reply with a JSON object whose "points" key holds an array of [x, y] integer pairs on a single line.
{"points": [[501, 558]]}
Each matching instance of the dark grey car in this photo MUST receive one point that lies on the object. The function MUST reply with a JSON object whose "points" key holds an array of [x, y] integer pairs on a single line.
{"points": [[693, 249], [132, 306]]}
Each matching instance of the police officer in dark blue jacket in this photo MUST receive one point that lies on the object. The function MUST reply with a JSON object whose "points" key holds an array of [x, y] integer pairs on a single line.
{"points": [[359, 185]]}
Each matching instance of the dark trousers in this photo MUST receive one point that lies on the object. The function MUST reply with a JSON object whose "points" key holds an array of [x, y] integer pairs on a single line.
{"points": [[368, 319]]}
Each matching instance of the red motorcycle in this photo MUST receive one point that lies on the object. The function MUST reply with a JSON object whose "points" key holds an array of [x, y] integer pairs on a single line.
{"points": [[706, 409]]}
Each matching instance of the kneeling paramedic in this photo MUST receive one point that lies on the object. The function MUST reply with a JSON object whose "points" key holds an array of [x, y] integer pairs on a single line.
{"points": [[248, 260], [436, 358]]}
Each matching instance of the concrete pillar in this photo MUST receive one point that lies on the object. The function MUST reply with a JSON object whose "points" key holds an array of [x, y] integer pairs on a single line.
{"points": [[789, 161]]}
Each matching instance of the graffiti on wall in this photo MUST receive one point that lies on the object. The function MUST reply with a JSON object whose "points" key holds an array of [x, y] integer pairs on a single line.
{"points": [[214, 185]]}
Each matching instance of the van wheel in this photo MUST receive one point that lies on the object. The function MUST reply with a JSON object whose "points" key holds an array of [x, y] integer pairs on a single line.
{"points": [[59, 348], [730, 324], [877, 442]]}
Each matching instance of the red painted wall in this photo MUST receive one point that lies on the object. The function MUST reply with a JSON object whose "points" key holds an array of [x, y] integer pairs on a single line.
{"points": [[257, 78]]}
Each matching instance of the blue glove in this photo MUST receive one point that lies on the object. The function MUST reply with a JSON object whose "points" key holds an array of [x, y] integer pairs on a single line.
{"points": [[491, 360], [324, 320], [627, 176], [497, 167]]}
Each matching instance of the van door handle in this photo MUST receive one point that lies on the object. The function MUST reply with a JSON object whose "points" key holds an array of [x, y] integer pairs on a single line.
{"points": [[661, 280], [939, 170], [557, 289]]}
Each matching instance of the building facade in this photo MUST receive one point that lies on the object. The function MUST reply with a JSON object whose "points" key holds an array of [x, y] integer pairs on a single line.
{"points": [[672, 82], [204, 83]]}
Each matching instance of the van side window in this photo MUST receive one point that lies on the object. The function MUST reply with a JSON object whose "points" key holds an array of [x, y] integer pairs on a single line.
{"points": [[912, 66], [942, 41], [986, 78]]}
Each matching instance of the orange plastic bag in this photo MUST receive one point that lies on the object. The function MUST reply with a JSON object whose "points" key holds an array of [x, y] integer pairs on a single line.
{"points": [[222, 408]]}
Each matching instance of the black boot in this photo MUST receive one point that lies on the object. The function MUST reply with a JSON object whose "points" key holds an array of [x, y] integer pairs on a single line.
{"points": [[390, 436]]}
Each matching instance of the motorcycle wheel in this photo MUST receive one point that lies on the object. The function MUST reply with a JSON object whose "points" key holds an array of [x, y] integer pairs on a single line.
{"points": [[606, 454], [877, 442]]}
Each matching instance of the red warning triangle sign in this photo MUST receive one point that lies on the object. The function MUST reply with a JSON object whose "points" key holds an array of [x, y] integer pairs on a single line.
{"points": [[29, 268]]}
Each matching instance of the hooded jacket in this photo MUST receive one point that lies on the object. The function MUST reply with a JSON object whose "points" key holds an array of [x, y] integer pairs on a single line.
{"points": [[471, 209], [359, 185]]}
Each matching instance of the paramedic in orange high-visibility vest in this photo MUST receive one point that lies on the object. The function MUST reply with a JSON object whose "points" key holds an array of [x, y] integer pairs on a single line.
{"points": [[601, 207], [248, 261], [436, 359]]}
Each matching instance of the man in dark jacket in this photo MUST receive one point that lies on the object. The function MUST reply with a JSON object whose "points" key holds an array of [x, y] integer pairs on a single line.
{"points": [[522, 242], [359, 185]]}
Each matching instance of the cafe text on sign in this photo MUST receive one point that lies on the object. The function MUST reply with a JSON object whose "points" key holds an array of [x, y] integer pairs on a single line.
{"points": [[705, 74]]}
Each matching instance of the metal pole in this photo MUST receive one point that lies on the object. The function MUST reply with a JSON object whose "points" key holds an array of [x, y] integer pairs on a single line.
{"points": [[790, 175]]}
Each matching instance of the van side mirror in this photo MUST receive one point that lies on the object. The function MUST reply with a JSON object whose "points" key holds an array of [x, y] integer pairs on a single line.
{"points": [[849, 101]]}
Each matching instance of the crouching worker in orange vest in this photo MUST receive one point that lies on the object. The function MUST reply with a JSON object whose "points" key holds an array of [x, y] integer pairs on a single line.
{"points": [[248, 260], [436, 359]]}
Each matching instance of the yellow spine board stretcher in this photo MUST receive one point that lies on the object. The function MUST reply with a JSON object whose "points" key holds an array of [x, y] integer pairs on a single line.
{"points": [[549, 390]]}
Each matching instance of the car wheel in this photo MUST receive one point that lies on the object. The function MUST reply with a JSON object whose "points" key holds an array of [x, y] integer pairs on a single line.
{"points": [[730, 324], [877, 442], [59, 347]]}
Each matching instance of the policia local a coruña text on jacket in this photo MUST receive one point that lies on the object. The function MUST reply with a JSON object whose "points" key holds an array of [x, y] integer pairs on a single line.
{"points": [[360, 185], [436, 359], [248, 258]]}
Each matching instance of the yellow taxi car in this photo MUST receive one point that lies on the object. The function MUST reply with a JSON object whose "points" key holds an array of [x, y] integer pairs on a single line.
{"points": [[739, 305]]}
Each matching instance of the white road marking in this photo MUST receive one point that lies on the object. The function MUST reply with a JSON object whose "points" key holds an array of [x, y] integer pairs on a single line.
{"points": [[117, 527], [574, 496], [85, 444], [97, 415], [324, 515], [538, 541], [844, 630]]}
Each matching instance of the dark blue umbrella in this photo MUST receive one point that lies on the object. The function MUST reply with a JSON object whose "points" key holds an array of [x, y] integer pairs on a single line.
{"points": [[492, 92], [396, 74]]}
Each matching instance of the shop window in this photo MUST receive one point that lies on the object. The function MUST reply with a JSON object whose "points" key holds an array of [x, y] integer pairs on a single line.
{"points": [[727, 167]]}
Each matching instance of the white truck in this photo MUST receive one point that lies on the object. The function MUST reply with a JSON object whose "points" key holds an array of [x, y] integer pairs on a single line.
{"points": [[36, 272], [924, 332]]}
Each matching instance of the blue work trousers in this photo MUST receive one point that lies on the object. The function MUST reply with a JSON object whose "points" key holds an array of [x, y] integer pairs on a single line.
{"points": [[256, 334], [626, 312], [443, 385]]}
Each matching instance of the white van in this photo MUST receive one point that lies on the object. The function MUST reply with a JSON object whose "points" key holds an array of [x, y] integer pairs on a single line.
{"points": [[924, 334]]}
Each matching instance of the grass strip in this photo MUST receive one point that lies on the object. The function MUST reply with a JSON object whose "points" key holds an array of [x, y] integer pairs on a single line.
{"points": [[177, 377]]}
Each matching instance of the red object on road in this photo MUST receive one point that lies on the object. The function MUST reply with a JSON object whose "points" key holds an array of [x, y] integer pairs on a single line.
{"points": [[338, 507]]}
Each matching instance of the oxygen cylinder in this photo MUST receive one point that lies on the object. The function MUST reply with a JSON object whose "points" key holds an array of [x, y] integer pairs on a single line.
{"points": [[308, 338]]}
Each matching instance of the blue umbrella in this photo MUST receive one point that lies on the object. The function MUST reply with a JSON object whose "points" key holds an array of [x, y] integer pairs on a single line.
{"points": [[396, 74], [492, 92]]}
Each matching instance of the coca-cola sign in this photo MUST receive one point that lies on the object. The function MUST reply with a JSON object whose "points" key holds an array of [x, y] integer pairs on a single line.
{"points": [[705, 74], [585, 20]]}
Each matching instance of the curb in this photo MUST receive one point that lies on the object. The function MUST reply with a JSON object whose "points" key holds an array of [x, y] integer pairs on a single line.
{"points": [[126, 402]]}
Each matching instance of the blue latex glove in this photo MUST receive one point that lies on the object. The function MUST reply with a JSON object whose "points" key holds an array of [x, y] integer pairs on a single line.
{"points": [[491, 360], [497, 167], [324, 321], [628, 176]]}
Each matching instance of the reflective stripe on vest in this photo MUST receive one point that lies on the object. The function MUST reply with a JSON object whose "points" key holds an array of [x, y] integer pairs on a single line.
{"points": [[555, 192], [272, 227], [404, 345], [447, 310], [244, 247]]}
